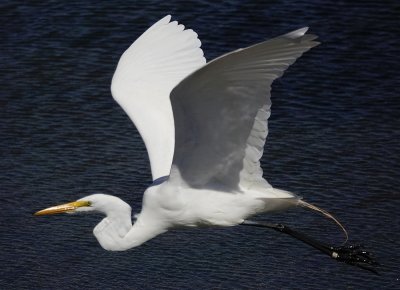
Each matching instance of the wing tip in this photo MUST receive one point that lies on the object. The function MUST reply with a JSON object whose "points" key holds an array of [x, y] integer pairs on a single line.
{"points": [[300, 35], [296, 33], [166, 19]]}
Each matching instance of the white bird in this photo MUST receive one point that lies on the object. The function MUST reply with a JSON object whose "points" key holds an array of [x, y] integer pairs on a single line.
{"points": [[204, 126]]}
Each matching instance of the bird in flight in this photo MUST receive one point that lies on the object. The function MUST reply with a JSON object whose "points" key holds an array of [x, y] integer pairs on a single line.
{"points": [[204, 125]]}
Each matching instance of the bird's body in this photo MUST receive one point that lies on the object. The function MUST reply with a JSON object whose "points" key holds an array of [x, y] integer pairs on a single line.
{"points": [[166, 206], [186, 206], [204, 126]]}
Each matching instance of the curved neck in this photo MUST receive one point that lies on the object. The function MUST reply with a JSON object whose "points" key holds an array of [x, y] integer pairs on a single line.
{"points": [[116, 232]]}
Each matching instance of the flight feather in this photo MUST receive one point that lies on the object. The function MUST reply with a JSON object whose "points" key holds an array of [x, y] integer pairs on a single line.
{"points": [[146, 73]]}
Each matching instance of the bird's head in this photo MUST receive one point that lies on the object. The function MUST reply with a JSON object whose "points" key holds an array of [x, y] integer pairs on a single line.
{"points": [[115, 225], [103, 203]]}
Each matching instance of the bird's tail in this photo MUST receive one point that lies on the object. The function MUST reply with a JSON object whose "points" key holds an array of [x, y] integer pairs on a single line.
{"points": [[312, 207]]}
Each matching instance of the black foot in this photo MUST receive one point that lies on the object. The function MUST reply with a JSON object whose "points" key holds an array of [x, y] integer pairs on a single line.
{"points": [[356, 256], [350, 254]]}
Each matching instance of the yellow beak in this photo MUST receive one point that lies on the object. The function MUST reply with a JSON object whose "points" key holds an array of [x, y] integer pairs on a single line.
{"points": [[67, 207]]}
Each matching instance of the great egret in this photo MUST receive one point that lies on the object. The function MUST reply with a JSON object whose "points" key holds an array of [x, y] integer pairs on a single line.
{"points": [[204, 126]]}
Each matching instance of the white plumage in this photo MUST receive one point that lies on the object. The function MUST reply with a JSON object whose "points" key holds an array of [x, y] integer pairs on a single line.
{"points": [[204, 126], [146, 74]]}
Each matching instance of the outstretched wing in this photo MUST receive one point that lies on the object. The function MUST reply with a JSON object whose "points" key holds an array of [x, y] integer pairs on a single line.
{"points": [[221, 113], [146, 73]]}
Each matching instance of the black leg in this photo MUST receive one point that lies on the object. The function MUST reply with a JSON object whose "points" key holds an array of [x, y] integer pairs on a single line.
{"points": [[350, 254]]}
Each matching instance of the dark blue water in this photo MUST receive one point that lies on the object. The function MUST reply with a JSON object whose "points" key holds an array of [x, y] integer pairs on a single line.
{"points": [[334, 139]]}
